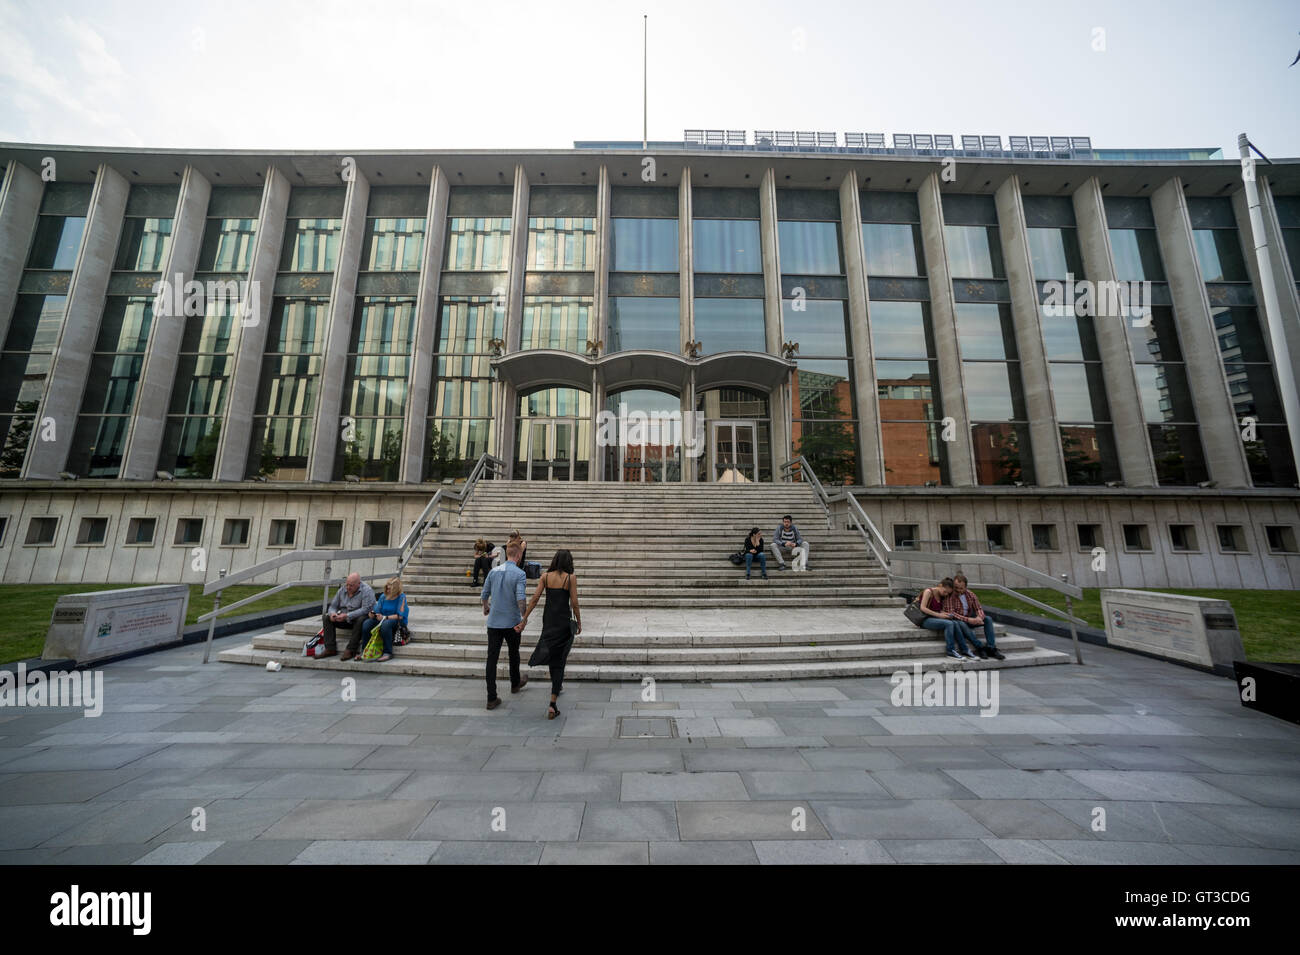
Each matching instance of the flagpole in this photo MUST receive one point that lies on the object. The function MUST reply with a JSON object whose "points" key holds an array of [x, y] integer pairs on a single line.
{"points": [[645, 81]]}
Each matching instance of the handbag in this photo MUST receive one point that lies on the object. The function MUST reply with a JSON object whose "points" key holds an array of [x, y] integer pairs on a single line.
{"points": [[736, 558], [375, 647], [914, 613], [315, 647], [403, 635], [532, 569]]}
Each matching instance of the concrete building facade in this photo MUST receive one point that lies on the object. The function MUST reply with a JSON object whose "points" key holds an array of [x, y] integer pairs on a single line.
{"points": [[248, 351]]}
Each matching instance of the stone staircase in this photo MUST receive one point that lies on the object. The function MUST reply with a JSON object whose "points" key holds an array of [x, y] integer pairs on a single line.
{"points": [[659, 597]]}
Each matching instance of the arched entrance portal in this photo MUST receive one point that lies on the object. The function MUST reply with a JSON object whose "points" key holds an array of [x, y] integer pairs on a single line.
{"points": [[738, 430], [553, 435], [646, 446]]}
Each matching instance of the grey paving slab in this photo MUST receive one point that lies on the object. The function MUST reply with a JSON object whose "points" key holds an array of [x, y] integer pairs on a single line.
{"points": [[178, 853], [1083, 852], [487, 853], [1022, 784], [822, 852], [289, 756], [113, 853], [456, 758], [850, 758], [1240, 759], [230, 820], [1159, 786], [634, 760], [522, 758], [702, 853], [256, 852], [742, 758], [898, 819], [1046, 757], [332, 784], [59, 758], [1264, 825], [831, 726], [38, 788], [465, 786], [137, 821], [1027, 818], [507, 822], [596, 853], [755, 820], [28, 856], [813, 784], [366, 852], [1024, 852], [191, 756], [1149, 822], [682, 786], [1240, 855], [920, 783], [940, 851], [352, 819], [601, 787], [26, 827], [629, 822], [198, 786], [1266, 790]]}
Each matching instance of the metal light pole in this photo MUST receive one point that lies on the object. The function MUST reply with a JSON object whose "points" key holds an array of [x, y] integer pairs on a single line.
{"points": [[1272, 316]]}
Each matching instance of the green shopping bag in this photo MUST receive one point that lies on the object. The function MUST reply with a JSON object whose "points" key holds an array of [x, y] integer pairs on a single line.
{"points": [[375, 647]]}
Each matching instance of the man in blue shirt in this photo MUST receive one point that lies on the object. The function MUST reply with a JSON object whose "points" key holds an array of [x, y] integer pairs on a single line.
{"points": [[504, 596]]}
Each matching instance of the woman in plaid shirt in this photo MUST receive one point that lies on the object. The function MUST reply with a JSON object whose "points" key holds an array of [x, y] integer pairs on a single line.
{"points": [[968, 614]]}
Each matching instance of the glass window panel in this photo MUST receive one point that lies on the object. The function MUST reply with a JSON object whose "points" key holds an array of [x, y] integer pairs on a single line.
{"points": [[478, 244], [809, 248], [1001, 453], [1164, 394], [892, 248], [1219, 253], [1079, 391], [383, 326], [453, 446], [1240, 335], [1254, 392], [124, 326], [1069, 337], [973, 251], [143, 244], [822, 389], [992, 390], [819, 327], [1090, 455], [985, 331], [1054, 253], [727, 245], [1156, 341], [645, 245], [554, 321], [914, 455], [311, 245], [561, 244], [297, 325], [393, 245], [463, 397], [468, 323], [901, 330], [56, 243], [1137, 255], [830, 447], [636, 323], [730, 324], [1179, 458], [36, 323], [228, 245], [907, 390]]}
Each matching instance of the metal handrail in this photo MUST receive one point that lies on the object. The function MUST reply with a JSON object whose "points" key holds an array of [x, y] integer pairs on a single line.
{"points": [[875, 540], [801, 464], [412, 544]]}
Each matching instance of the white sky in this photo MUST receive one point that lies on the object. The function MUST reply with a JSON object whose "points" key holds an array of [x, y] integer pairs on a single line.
{"points": [[324, 74]]}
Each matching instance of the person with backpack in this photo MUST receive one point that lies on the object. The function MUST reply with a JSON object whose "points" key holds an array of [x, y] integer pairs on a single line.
{"points": [[561, 622]]}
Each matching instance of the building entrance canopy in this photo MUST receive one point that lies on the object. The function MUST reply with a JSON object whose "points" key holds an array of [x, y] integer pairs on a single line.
{"points": [[535, 368]]}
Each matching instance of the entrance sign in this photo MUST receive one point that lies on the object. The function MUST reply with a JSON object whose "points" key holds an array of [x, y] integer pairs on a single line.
{"points": [[94, 626], [1194, 630]]}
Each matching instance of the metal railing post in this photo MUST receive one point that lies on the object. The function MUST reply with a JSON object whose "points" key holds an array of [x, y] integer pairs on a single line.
{"points": [[1074, 632], [212, 623]]}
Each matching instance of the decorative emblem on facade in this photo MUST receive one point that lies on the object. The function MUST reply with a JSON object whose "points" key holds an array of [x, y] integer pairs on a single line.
{"points": [[643, 284], [1218, 294], [789, 350], [692, 349], [593, 348], [309, 283], [894, 289], [61, 281], [730, 285], [497, 347], [976, 289], [144, 283]]}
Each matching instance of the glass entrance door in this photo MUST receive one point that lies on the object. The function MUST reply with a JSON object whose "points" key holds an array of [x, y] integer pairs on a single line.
{"points": [[549, 448], [733, 452]]}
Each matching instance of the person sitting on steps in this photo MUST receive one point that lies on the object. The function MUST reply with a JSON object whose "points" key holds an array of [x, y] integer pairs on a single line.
{"points": [[349, 609], [483, 551], [966, 610], [931, 603], [752, 548], [787, 539]]}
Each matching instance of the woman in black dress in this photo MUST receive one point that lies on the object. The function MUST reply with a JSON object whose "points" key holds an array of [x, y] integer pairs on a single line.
{"points": [[558, 627]]}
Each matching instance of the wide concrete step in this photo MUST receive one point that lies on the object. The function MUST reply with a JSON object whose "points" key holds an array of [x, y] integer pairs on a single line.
{"points": [[734, 601], [739, 586], [741, 653], [678, 578], [407, 665]]}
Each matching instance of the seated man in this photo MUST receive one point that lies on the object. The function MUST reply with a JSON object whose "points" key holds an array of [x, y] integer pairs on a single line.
{"points": [[788, 540], [350, 609], [966, 610]]}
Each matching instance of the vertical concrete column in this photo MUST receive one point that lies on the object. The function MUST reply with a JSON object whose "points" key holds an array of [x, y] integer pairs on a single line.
{"points": [[1225, 455], [1131, 442], [20, 206], [419, 387], [686, 259], [1283, 278], [773, 323], [690, 465], [514, 308], [871, 470], [153, 394], [600, 308], [72, 355], [943, 317], [237, 428], [1044, 434], [596, 462], [343, 298]]}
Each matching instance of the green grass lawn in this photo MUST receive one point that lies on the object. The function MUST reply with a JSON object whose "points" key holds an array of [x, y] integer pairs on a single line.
{"points": [[1268, 631], [25, 609]]}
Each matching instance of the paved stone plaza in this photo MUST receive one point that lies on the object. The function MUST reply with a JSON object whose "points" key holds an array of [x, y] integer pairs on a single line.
{"points": [[415, 771]]}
